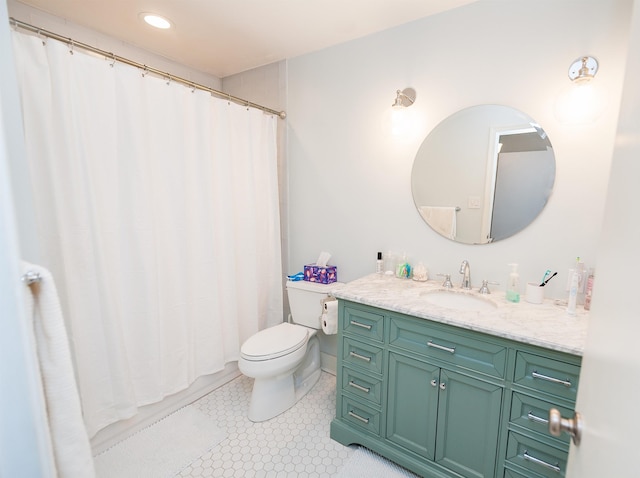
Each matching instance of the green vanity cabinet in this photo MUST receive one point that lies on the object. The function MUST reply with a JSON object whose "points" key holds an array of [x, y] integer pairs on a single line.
{"points": [[448, 417], [444, 401], [445, 395]]}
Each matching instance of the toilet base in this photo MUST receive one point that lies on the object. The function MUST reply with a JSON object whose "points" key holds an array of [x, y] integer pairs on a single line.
{"points": [[308, 373], [270, 397], [274, 395]]}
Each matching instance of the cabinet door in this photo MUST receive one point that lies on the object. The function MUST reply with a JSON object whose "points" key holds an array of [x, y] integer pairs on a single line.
{"points": [[412, 404], [468, 424]]}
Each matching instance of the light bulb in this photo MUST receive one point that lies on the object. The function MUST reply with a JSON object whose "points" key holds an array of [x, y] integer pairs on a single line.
{"points": [[579, 103], [156, 21]]}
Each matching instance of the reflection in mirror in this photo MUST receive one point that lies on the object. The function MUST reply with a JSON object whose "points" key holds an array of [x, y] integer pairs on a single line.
{"points": [[483, 174]]}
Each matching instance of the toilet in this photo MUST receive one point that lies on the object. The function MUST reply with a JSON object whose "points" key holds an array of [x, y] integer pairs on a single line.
{"points": [[284, 359]]}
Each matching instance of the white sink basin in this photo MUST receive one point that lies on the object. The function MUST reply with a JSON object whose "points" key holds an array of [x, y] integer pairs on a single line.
{"points": [[458, 300]]}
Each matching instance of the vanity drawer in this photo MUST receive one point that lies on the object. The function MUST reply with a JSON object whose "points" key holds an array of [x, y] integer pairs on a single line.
{"points": [[361, 385], [537, 457], [363, 323], [363, 356], [547, 375], [416, 335], [361, 416], [533, 414]]}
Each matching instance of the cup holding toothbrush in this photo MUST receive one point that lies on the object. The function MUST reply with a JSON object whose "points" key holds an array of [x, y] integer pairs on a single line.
{"points": [[534, 293]]}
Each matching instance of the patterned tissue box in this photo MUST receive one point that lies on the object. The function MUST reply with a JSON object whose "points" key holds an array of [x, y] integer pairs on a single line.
{"points": [[322, 275]]}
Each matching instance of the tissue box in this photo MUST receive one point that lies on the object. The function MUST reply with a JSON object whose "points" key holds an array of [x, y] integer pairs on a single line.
{"points": [[322, 275]]}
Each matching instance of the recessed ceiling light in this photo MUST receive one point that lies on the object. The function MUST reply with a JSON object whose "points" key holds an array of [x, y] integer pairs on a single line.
{"points": [[156, 21]]}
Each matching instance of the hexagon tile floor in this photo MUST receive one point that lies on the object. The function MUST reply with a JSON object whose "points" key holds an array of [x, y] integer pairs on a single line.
{"points": [[293, 444]]}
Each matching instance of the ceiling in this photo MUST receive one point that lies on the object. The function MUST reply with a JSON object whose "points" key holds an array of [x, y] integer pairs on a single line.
{"points": [[224, 37]]}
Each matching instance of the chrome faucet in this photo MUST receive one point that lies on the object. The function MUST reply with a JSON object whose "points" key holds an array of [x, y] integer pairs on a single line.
{"points": [[466, 278]]}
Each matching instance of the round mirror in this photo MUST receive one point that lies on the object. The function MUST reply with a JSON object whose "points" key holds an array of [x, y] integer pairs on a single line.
{"points": [[483, 174]]}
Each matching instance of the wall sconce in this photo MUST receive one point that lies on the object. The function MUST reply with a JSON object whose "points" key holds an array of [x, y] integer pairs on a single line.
{"points": [[583, 70], [580, 102], [404, 98], [403, 121]]}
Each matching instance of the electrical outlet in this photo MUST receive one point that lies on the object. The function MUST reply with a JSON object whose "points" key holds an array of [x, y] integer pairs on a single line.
{"points": [[473, 202]]}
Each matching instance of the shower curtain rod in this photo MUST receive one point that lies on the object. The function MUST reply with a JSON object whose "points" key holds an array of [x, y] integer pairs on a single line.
{"points": [[108, 55]]}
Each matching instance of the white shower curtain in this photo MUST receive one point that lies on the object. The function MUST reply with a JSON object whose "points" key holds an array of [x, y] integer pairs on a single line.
{"points": [[157, 208]]}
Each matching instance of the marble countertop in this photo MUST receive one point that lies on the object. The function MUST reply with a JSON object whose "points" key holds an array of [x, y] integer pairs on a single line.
{"points": [[546, 325]]}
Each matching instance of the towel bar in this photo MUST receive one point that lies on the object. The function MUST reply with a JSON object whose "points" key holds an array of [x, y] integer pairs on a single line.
{"points": [[30, 277]]}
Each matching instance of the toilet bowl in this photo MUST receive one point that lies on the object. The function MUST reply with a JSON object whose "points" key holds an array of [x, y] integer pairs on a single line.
{"points": [[284, 359]]}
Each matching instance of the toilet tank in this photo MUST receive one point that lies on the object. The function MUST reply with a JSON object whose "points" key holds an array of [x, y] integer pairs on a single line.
{"points": [[305, 300]]}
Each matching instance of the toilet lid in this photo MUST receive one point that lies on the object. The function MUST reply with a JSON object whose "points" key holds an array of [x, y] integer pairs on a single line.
{"points": [[275, 342]]}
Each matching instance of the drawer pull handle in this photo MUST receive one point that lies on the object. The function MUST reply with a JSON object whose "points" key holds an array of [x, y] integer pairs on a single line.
{"points": [[359, 387], [358, 417], [358, 324], [536, 419], [441, 347], [361, 357], [538, 461], [566, 383]]}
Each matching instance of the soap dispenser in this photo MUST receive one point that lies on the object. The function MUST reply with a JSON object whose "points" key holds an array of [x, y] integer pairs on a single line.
{"points": [[513, 284]]}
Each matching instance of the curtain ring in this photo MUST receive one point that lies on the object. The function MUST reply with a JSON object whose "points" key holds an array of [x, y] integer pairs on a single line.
{"points": [[43, 39], [145, 71], [70, 46], [113, 60], [169, 80]]}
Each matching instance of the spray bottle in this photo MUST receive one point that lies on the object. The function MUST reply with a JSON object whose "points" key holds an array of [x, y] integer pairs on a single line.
{"points": [[589, 289], [513, 284]]}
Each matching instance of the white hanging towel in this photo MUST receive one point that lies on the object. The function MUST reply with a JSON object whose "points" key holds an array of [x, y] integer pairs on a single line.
{"points": [[69, 438], [441, 218]]}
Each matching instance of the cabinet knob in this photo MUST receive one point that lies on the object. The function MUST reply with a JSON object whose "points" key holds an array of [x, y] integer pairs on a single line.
{"points": [[573, 426], [434, 383], [442, 386]]}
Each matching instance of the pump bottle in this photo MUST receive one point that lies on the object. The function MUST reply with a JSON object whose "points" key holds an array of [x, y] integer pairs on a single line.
{"points": [[513, 284]]}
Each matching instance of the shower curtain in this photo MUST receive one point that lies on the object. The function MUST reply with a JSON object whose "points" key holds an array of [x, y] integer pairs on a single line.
{"points": [[157, 209]]}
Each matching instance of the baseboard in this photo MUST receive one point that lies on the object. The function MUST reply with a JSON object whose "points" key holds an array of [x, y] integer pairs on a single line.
{"points": [[328, 363], [116, 432]]}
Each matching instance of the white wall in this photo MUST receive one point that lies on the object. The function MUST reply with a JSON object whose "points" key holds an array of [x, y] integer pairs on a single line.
{"points": [[349, 182]]}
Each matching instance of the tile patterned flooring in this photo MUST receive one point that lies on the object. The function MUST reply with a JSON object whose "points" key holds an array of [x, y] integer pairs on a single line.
{"points": [[293, 444]]}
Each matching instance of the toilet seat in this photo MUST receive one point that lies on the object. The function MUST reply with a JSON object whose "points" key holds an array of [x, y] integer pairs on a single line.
{"points": [[274, 342]]}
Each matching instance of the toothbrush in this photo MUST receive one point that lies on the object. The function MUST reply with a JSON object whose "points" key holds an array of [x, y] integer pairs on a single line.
{"points": [[547, 280], [546, 274]]}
